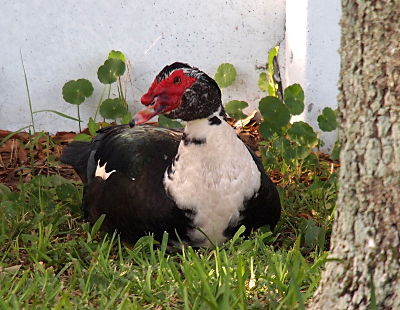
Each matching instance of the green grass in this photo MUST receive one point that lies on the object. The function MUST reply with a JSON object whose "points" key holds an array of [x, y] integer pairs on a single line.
{"points": [[50, 259]]}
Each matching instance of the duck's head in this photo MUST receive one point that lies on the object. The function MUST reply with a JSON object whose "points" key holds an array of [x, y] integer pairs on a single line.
{"points": [[180, 91]]}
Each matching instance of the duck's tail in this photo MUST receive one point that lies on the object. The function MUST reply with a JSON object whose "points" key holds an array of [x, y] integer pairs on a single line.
{"points": [[77, 155]]}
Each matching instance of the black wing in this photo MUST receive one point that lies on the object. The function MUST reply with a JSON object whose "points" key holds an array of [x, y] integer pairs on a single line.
{"points": [[133, 198], [129, 150]]}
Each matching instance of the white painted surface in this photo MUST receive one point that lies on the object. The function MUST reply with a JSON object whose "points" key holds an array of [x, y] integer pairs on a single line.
{"points": [[312, 58], [68, 40]]}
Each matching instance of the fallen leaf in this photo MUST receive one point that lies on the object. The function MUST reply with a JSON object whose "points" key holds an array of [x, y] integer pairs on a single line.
{"points": [[22, 155]]}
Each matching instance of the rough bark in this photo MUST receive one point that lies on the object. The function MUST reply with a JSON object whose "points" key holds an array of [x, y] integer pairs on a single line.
{"points": [[365, 237]]}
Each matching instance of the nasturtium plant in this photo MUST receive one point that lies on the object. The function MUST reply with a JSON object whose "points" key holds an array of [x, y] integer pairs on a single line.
{"points": [[126, 118], [234, 109], [274, 111], [290, 152], [75, 92], [268, 129], [286, 146], [116, 54], [327, 120], [293, 96], [111, 70], [226, 75], [303, 134], [113, 108]]}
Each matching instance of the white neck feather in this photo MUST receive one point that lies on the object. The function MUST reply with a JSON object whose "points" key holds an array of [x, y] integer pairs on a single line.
{"points": [[213, 175]]}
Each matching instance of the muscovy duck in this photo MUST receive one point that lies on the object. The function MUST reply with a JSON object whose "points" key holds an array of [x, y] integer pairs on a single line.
{"points": [[199, 185]]}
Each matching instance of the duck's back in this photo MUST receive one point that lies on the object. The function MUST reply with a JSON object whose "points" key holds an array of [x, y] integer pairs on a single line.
{"points": [[123, 170]]}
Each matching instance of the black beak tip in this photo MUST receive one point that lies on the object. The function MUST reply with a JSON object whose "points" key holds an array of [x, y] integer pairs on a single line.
{"points": [[132, 123]]}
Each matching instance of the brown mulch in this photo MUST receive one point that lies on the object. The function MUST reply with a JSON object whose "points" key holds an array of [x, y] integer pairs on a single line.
{"points": [[22, 156]]}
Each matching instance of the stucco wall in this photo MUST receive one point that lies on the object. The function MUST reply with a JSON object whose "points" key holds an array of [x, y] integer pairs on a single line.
{"points": [[311, 57], [64, 40]]}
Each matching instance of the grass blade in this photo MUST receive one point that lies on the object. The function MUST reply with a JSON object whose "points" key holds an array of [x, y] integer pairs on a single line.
{"points": [[12, 134], [60, 114], [27, 89]]}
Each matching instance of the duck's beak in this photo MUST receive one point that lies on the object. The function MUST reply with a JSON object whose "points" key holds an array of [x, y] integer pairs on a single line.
{"points": [[153, 109]]}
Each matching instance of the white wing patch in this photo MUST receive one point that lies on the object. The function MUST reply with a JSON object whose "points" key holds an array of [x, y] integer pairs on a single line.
{"points": [[101, 171]]}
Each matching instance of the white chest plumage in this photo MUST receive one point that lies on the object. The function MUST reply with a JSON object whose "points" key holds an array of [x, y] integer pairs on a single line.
{"points": [[213, 175]]}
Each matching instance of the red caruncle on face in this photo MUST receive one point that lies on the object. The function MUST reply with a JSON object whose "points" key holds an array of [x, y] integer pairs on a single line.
{"points": [[169, 91]]}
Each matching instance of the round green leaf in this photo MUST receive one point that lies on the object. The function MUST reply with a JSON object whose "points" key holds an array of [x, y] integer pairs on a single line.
{"points": [[234, 109], [226, 75], [302, 151], [113, 108], [303, 134], [327, 120], [267, 129], [76, 92], [116, 54], [293, 96], [111, 70], [126, 118], [274, 111]]}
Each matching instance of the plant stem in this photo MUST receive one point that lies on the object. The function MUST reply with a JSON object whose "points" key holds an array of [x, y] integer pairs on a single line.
{"points": [[121, 92], [79, 117], [98, 105]]}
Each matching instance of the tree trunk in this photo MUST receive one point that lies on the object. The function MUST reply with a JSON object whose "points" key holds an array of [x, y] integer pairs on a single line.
{"points": [[365, 237]]}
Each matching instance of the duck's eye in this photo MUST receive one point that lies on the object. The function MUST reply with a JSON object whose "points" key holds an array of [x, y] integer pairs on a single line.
{"points": [[177, 80]]}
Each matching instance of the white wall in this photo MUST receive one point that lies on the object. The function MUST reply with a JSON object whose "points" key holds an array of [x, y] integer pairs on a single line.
{"points": [[312, 42], [64, 40]]}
